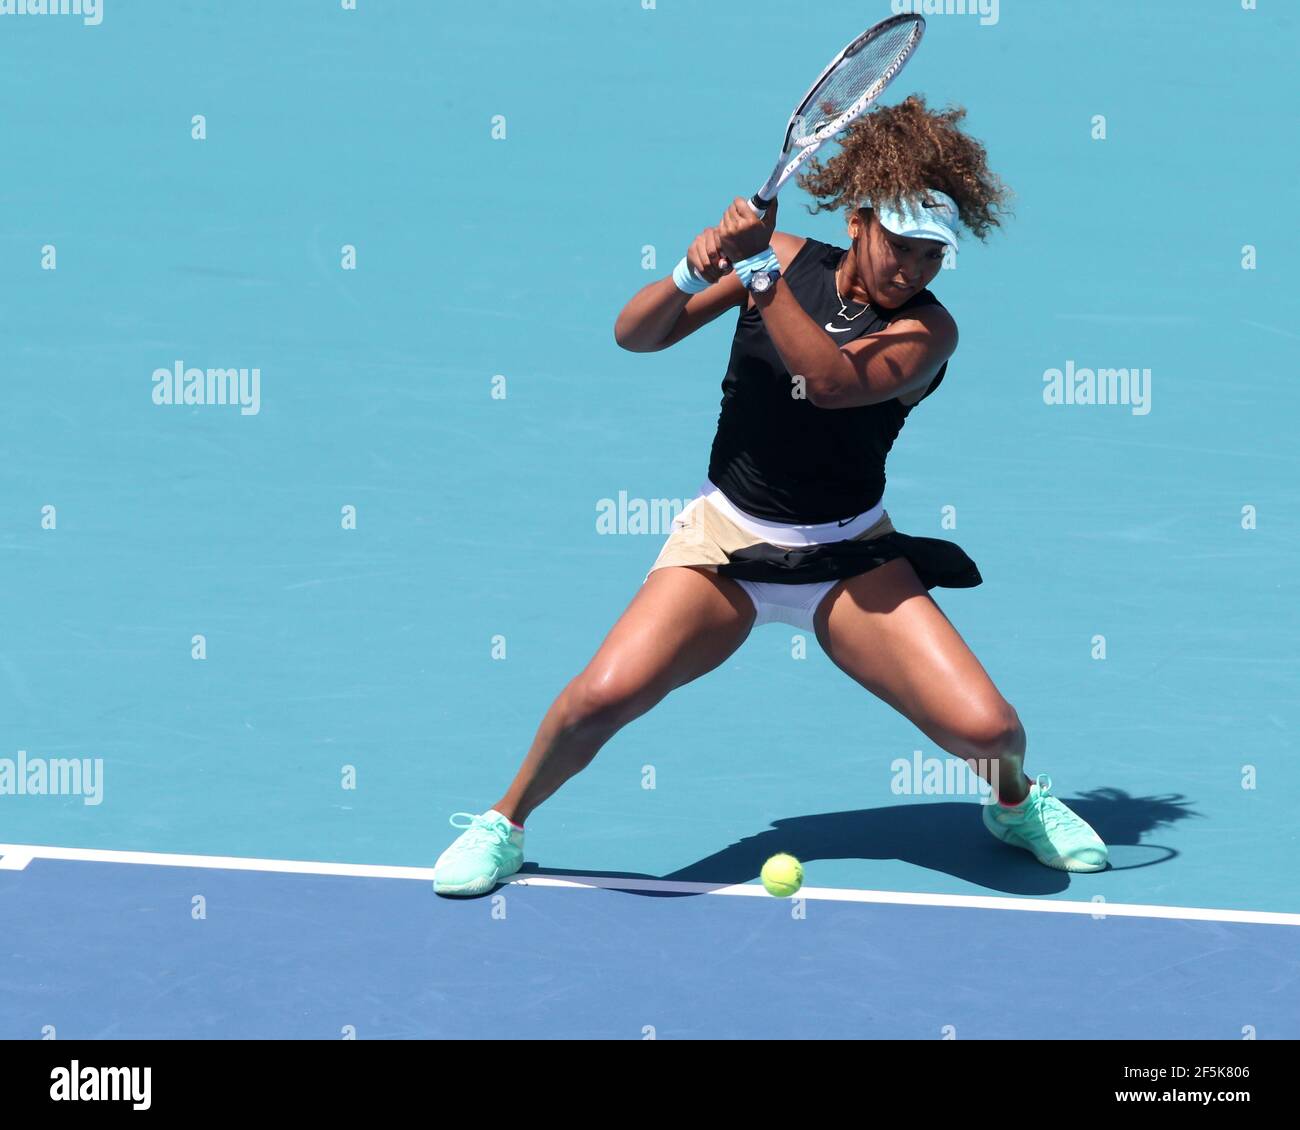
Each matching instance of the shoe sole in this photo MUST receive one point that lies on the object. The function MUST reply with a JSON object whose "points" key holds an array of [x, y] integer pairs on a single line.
{"points": [[475, 887], [463, 891]]}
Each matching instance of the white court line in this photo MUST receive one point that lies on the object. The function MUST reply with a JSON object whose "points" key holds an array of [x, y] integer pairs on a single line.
{"points": [[24, 853], [13, 860], [16, 857]]}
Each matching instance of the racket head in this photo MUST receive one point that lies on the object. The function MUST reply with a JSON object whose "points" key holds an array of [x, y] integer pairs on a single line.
{"points": [[848, 84], [859, 73]]}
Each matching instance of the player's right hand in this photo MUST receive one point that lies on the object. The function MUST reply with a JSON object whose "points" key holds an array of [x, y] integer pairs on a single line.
{"points": [[704, 255]]}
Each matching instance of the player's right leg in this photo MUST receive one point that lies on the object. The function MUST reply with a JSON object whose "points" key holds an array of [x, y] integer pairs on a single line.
{"points": [[682, 623]]}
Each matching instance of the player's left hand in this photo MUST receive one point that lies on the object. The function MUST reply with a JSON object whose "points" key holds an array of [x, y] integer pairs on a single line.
{"points": [[743, 234]]}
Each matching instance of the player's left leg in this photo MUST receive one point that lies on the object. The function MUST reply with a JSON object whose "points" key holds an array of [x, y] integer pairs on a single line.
{"points": [[884, 630]]}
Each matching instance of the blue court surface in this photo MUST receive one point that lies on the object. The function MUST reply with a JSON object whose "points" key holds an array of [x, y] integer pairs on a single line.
{"points": [[253, 655]]}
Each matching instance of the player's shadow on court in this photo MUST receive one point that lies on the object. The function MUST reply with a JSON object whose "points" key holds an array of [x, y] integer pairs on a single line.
{"points": [[946, 836]]}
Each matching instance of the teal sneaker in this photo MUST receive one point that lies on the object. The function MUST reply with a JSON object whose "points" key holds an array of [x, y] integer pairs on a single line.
{"points": [[488, 850], [1045, 827]]}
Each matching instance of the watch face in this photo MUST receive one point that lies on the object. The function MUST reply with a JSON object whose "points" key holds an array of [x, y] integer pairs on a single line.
{"points": [[761, 282]]}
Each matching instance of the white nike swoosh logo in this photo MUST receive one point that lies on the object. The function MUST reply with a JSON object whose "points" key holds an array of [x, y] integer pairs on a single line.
{"points": [[841, 330]]}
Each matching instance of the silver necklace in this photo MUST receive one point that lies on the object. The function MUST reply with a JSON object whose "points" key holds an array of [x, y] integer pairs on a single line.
{"points": [[843, 305]]}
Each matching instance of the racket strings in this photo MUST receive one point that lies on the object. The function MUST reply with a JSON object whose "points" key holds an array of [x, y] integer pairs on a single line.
{"points": [[866, 70]]}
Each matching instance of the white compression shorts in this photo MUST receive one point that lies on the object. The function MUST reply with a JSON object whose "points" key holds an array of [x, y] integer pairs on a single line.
{"points": [[789, 604]]}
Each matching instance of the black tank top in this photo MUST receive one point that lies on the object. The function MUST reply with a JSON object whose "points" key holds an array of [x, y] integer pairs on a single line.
{"points": [[784, 459]]}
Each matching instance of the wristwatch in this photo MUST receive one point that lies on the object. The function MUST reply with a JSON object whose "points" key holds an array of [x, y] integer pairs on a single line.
{"points": [[759, 272]]}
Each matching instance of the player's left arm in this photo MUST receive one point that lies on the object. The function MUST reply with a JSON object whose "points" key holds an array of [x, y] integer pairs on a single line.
{"points": [[901, 359], [905, 356]]}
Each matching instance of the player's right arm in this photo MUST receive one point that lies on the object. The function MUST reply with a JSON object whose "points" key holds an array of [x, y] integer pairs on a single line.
{"points": [[660, 315]]}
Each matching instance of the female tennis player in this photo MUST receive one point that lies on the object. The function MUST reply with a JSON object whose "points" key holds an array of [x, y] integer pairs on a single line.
{"points": [[833, 349]]}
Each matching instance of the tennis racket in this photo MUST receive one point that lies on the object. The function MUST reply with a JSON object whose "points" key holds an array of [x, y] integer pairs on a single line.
{"points": [[851, 82]]}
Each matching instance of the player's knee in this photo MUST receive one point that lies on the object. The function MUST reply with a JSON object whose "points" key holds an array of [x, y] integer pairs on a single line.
{"points": [[994, 732], [607, 698]]}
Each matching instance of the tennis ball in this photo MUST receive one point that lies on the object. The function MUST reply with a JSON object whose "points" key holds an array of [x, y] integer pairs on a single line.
{"points": [[782, 875]]}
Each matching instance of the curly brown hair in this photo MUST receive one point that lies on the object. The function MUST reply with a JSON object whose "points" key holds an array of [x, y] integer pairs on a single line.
{"points": [[896, 151]]}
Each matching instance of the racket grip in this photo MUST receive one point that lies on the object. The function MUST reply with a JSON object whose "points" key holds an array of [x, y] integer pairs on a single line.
{"points": [[760, 207]]}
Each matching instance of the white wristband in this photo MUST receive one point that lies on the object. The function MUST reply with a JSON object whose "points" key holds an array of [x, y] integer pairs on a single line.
{"points": [[688, 282]]}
